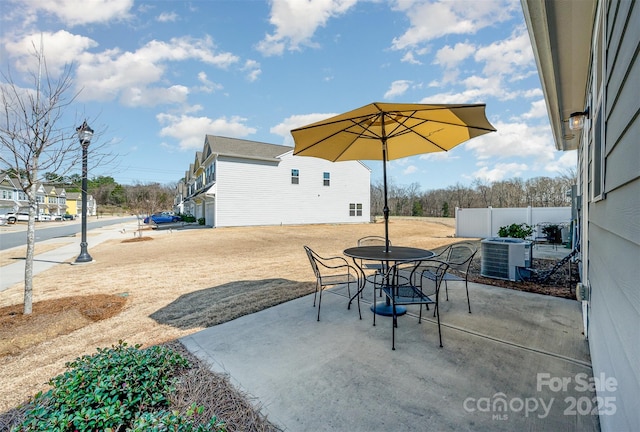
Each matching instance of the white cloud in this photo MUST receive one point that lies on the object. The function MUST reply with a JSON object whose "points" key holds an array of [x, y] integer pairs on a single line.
{"points": [[141, 96], [112, 73], [59, 48], [398, 88], [295, 121], [432, 20], [507, 56], [451, 57], [207, 85], [567, 160], [500, 171], [531, 143], [538, 110], [73, 12], [253, 70], [410, 58], [531, 93], [296, 22], [167, 17], [189, 131], [410, 170]]}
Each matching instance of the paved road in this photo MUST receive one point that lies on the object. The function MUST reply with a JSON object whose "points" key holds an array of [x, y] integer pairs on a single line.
{"points": [[16, 234]]}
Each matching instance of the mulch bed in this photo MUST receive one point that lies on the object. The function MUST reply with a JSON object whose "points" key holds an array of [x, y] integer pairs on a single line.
{"points": [[561, 283]]}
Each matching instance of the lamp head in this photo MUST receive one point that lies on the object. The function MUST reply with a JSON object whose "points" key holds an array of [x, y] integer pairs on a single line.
{"points": [[576, 120], [84, 133]]}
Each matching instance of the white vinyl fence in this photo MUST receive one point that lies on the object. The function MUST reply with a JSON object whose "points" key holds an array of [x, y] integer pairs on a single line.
{"points": [[485, 222]]}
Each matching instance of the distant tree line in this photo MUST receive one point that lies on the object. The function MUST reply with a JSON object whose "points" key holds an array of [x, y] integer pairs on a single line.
{"points": [[403, 200], [141, 198], [411, 201]]}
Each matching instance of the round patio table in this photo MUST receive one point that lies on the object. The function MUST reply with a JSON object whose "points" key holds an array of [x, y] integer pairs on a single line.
{"points": [[391, 256]]}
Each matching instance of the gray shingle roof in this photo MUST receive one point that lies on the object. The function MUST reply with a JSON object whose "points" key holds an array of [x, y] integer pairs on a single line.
{"points": [[224, 146]]}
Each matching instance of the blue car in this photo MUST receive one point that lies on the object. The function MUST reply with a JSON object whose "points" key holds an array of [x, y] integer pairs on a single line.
{"points": [[162, 218]]}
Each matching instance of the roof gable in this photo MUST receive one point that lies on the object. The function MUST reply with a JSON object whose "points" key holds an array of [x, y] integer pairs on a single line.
{"points": [[234, 147]]}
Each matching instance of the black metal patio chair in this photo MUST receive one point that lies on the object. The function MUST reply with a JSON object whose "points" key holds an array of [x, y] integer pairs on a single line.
{"points": [[378, 268], [459, 257], [331, 271], [407, 286]]}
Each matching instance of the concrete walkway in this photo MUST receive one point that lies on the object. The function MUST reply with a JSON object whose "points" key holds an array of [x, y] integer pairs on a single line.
{"points": [[500, 369]]}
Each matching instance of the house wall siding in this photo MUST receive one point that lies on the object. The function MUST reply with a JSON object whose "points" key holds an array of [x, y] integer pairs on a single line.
{"points": [[260, 192], [613, 257]]}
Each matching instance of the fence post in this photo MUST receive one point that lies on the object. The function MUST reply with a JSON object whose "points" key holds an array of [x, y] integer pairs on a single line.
{"points": [[490, 220]]}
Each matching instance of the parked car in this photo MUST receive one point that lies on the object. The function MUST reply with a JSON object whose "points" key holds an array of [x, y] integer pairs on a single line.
{"points": [[3, 219], [43, 217], [68, 217], [15, 217], [162, 218]]}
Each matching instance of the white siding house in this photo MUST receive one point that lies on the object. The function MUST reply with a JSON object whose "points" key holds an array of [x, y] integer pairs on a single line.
{"points": [[237, 182], [588, 56]]}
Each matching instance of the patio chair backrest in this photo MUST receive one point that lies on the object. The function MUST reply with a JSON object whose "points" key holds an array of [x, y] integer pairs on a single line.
{"points": [[372, 241], [460, 256]]}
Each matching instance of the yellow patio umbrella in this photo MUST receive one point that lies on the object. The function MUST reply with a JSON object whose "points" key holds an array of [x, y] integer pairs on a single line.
{"points": [[387, 131]]}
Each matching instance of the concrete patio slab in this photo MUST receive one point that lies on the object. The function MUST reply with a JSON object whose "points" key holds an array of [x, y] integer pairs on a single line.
{"points": [[518, 362]]}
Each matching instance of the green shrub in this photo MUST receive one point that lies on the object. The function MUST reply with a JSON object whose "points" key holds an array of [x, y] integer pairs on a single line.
{"points": [[120, 388], [516, 231], [188, 218], [161, 421], [200, 221]]}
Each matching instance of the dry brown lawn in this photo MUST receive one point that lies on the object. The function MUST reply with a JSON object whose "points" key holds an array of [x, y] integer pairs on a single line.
{"points": [[177, 283]]}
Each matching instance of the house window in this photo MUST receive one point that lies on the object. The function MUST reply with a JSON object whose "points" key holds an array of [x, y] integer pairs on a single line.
{"points": [[355, 209], [326, 179], [598, 110], [295, 176]]}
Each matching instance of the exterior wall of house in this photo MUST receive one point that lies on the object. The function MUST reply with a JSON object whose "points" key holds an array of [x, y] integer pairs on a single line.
{"points": [[611, 220], [611, 232], [254, 192]]}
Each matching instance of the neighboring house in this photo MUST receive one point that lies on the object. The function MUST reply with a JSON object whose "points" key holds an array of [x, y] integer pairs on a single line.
{"points": [[53, 200], [9, 196], [234, 182], [588, 57], [74, 204]]}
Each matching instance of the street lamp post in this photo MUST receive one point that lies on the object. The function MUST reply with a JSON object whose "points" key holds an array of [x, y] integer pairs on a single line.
{"points": [[84, 135]]}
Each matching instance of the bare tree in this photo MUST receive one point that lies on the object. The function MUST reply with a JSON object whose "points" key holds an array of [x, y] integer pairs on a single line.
{"points": [[35, 140], [32, 140], [146, 199]]}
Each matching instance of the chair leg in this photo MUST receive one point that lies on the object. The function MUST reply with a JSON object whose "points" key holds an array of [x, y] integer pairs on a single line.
{"points": [[439, 330], [374, 305], [315, 294], [394, 324], [466, 285], [446, 289], [319, 303], [358, 300]]}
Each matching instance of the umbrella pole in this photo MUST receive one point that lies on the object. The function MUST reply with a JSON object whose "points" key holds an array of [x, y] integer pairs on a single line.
{"points": [[385, 210]]}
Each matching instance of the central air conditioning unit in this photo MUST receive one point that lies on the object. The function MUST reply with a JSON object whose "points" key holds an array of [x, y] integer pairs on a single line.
{"points": [[505, 258]]}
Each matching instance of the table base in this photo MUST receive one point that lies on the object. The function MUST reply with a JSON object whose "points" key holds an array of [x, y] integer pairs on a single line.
{"points": [[384, 309]]}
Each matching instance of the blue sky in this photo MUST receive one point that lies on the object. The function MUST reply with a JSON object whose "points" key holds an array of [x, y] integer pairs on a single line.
{"points": [[156, 76]]}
